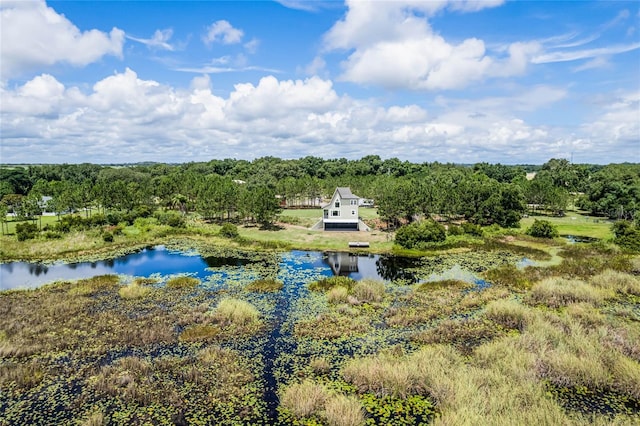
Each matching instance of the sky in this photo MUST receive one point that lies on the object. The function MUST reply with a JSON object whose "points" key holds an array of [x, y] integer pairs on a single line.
{"points": [[464, 81]]}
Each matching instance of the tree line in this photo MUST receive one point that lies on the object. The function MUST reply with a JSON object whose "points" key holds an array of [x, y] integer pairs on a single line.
{"points": [[255, 191]]}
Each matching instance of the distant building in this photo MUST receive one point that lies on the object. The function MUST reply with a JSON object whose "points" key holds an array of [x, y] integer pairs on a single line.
{"points": [[341, 213]]}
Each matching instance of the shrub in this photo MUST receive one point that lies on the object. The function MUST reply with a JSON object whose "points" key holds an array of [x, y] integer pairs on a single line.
{"points": [[236, 311], [26, 231], [170, 218], [542, 229], [627, 235], [107, 237], [472, 229], [97, 219], [455, 230], [414, 235], [229, 230]]}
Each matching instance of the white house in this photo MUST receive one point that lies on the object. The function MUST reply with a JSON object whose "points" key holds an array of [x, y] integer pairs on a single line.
{"points": [[341, 214]]}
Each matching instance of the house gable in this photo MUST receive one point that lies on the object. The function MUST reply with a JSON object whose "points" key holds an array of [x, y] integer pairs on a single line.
{"points": [[342, 210]]}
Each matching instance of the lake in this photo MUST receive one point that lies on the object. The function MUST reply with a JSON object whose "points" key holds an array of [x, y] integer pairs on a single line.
{"points": [[161, 261]]}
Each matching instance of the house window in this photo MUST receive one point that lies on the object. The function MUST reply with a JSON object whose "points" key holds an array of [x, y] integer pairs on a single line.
{"points": [[335, 212], [353, 212], [337, 204], [354, 202]]}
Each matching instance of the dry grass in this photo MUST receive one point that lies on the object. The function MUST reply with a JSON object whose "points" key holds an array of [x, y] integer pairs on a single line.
{"points": [[94, 418], [134, 291], [618, 282], [92, 286], [369, 291], [182, 282], [304, 399], [235, 311], [341, 410], [21, 375], [558, 292]]}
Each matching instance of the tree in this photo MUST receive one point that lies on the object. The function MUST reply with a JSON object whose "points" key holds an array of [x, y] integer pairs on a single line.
{"points": [[415, 235], [542, 229], [265, 206], [3, 217]]}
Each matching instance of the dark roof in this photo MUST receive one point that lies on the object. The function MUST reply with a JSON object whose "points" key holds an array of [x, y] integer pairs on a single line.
{"points": [[345, 192]]}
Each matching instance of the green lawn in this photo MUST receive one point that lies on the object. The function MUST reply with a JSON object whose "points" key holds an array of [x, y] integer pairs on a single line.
{"points": [[309, 217], [11, 223], [576, 224]]}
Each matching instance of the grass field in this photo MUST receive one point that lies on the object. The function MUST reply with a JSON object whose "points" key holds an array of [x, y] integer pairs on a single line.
{"points": [[576, 224]]}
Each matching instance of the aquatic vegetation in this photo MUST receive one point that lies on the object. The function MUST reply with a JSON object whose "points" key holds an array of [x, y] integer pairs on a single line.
{"points": [[328, 283], [340, 352], [265, 285]]}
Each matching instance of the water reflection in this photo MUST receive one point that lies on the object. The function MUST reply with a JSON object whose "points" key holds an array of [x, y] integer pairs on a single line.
{"points": [[359, 266]]}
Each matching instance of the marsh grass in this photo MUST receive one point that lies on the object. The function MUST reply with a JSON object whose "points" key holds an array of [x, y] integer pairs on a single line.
{"points": [[145, 281], [558, 292], [332, 325], [304, 399], [464, 335], [199, 332], [509, 314], [265, 285], [342, 410], [235, 311], [183, 282], [432, 285], [23, 376], [134, 291], [618, 282], [369, 290], [337, 295], [92, 286]]}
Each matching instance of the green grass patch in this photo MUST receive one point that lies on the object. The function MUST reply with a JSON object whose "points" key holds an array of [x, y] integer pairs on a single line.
{"points": [[183, 282]]}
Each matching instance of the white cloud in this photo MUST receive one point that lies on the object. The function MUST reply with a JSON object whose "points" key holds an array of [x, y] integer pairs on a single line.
{"points": [[565, 56], [222, 32], [252, 46], [125, 118], [392, 44], [159, 40], [34, 35]]}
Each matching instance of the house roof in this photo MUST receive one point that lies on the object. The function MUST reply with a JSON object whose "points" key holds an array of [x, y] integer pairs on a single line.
{"points": [[345, 192]]}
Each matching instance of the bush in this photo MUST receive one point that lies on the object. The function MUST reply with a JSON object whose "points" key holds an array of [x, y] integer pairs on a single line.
{"points": [[328, 283], [542, 229], [69, 222], [107, 237], [472, 229], [26, 231], [170, 218], [455, 230], [229, 230], [416, 234], [627, 235]]}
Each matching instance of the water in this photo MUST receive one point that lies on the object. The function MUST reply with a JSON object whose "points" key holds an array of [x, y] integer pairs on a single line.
{"points": [[161, 261]]}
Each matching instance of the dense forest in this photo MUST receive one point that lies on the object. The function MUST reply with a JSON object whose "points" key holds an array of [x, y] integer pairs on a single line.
{"points": [[231, 189]]}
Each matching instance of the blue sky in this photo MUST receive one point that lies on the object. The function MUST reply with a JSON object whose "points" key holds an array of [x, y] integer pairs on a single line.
{"points": [[449, 81]]}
